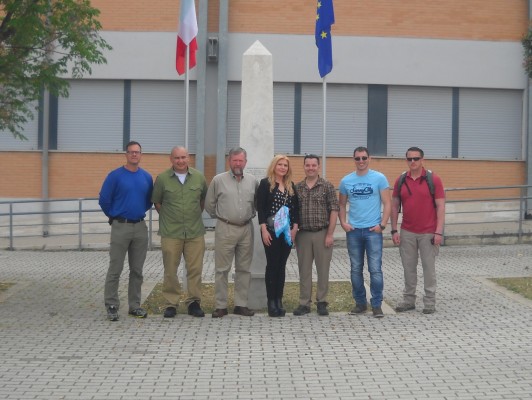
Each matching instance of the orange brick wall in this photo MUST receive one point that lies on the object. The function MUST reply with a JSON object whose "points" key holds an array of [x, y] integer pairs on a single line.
{"points": [[450, 19], [81, 174]]}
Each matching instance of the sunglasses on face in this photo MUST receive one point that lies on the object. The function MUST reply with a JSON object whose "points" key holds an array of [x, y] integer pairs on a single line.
{"points": [[410, 159], [363, 158]]}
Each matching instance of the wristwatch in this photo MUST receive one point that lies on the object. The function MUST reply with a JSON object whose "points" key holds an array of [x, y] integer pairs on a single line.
{"points": [[383, 227]]}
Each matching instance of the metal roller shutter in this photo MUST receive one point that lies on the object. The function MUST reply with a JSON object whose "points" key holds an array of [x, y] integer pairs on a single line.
{"points": [[420, 116], [158, 115], [490, 124], [91, 118], [347, 109], [30, 129]]}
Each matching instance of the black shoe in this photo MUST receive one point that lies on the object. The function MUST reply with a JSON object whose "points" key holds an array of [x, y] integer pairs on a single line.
{"points": [[112, 313], [195, 310], [273, 311], [359, 309], [377, 312], [139, 313], [402, 307], [279, 304], [301, 310], [322, 308], [219, 312], [170, 312], [244, 311]]}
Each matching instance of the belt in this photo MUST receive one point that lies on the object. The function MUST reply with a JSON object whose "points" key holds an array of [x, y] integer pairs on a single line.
{"points": [[129, 221], [314, 230], [234, 223]]}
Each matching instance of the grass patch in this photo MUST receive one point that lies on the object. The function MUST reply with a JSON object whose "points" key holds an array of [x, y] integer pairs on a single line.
{"points": [[5, 285], [340, 298], [522, 286]]}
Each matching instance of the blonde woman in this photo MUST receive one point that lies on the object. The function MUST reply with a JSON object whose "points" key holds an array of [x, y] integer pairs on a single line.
{"points": [[275, 191]]}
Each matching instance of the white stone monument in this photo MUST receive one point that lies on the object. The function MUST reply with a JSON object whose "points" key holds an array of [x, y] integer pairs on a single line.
{"points": [[256, 137]]}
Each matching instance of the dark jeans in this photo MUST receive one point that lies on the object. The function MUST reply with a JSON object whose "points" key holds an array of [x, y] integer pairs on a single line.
{"points": [[276, 256]]}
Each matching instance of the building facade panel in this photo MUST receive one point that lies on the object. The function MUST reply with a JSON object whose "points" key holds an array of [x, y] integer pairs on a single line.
{"points": [[420, 116], [92, 117]]}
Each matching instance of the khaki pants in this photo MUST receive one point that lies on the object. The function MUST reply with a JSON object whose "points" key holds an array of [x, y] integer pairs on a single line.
{"points": [[411, 245], [233, 242], [133, 240], [192, 250], [310, 247]]}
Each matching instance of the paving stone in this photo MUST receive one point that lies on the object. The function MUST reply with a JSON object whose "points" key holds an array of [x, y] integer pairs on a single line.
{"points": [[56, 341]]}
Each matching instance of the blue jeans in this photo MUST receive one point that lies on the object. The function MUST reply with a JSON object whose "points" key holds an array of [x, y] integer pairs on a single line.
{"points": [[360, 241]]}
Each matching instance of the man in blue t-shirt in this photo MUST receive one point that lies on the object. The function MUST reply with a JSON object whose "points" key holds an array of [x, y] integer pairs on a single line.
{"points": [[366, 190], [124, 198]]}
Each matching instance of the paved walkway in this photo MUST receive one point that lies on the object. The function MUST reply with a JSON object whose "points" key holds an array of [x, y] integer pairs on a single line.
{"points": [[55, 342]]}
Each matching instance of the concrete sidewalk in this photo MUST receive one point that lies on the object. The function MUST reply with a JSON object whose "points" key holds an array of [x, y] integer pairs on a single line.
{"points": [[56, 343]]}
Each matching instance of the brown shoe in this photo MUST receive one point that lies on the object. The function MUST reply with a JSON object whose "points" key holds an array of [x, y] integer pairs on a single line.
{"points": [[219, 312], [244, 311]]}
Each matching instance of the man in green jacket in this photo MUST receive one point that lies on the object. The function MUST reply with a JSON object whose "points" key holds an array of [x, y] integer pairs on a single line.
{"points": [[179, 197]]}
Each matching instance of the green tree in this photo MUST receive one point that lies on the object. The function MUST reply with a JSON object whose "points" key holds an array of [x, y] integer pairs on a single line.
{"points": [[527, 47], [41, 42]]}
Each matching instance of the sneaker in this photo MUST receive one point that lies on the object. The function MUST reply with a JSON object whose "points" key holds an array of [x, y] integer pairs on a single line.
{"points": [[377, 312], [402, 307], [301, 310], [195, 310], [429, 310], [359, 309], [139, 313], [170, 312], [112, 313], [322, 308]]}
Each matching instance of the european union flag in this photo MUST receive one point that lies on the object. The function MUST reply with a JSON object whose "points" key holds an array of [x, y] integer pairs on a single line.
{"points": [[324, 20]]}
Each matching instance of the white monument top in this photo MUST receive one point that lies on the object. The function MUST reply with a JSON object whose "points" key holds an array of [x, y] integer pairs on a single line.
{"points": [[257, 48]]}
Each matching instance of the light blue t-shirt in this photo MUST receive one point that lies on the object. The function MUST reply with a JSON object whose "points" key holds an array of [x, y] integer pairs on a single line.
{"points": [[364, 197]]}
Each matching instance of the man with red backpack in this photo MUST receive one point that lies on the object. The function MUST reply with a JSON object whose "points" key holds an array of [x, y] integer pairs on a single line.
{"points": [[420, 193]]}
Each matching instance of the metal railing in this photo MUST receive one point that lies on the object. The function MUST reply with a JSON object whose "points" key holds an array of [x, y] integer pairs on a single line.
{"points": [[69, 223]]}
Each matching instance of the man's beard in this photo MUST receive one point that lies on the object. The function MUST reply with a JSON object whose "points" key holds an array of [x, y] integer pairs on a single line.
{"points": [[238, 171]]}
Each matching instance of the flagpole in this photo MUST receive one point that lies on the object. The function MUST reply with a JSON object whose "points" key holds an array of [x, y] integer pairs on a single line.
{"points": [[186, 95], [324, 156]]}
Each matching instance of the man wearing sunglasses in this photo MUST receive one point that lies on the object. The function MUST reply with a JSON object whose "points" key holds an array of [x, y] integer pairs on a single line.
{"points": [[421, 228], [366, 190]]}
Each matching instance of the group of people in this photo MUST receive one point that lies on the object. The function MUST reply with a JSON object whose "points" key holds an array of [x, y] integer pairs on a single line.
{"points": [[309, 211]]}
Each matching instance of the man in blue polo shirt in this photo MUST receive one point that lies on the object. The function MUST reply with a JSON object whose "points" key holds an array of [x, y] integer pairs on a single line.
{"points": [[125, 197]]}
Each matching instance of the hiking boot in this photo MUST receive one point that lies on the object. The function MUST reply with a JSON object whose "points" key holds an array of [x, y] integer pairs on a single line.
{"points": [[195, 310], [170, 312], [112, 313], [138, 313], [402, 307], [429, 310], [301, 310], [359, 309], [322, 308], [377, 312]]}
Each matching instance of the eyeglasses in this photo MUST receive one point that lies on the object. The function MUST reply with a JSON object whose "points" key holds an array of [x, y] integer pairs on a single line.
{"points": [[363, 158], [410, 159], [133, 152]]}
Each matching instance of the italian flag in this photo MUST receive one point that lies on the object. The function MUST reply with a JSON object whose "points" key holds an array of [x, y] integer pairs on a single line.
{"points": [[186, 36]]}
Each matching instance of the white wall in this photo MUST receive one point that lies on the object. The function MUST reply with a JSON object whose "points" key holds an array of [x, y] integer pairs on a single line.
{"points": [[366, 60]]}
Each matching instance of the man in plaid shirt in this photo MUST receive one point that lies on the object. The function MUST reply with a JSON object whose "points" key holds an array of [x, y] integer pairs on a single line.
{"points": [[318, 212]]}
